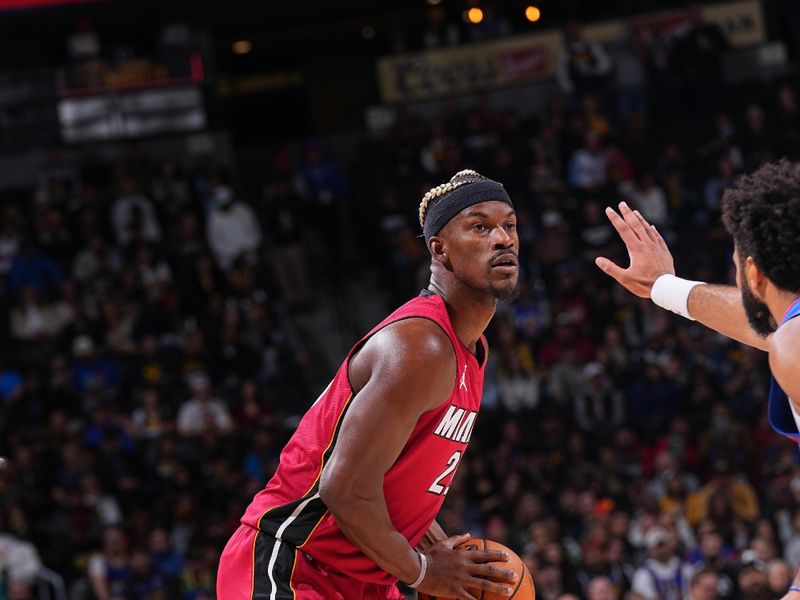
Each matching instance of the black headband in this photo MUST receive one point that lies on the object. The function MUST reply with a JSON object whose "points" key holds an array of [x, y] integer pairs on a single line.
{"points": [[460, 198]]}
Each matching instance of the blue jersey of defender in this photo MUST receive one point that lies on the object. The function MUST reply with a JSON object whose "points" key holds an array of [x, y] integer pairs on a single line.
{"points": [[780, 410]]}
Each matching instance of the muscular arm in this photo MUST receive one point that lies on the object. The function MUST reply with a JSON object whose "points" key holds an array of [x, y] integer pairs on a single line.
{"points": [[720, 308], [402, 372]]}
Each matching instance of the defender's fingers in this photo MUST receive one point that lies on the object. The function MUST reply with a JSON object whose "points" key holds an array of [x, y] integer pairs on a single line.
{"points": [[632, 220], [625, 232], [610, 268], [647, 228], [659, 238]]}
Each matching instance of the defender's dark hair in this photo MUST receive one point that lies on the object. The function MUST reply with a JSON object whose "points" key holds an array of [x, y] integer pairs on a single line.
{"points": [[762, 213]]}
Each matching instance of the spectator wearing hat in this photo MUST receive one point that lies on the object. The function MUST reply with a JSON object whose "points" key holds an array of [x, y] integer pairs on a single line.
{"points": [[662, 576], [203, 413]]}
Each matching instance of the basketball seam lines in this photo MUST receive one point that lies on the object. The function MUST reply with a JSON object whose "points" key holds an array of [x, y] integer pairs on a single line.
{"points": [[521, 579]]}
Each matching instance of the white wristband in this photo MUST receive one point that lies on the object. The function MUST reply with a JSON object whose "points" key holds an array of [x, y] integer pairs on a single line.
{"points": [[672, 293], [423, 569]]}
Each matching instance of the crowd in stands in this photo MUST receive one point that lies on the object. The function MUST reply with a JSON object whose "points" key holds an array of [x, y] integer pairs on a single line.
{"points": [[150, 374]]}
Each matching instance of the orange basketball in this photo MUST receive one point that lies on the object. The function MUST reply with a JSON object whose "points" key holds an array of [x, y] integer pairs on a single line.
{"points": [[524, 589]]}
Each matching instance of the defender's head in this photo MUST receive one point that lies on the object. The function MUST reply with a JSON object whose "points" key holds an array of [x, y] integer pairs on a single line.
{"points": [[762, 213], [471, 231]]}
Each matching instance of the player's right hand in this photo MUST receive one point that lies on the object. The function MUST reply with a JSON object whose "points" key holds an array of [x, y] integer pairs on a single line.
{"points": [[650, 258], [457, 573]]}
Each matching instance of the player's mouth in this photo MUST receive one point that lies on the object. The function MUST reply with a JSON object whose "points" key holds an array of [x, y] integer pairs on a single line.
{"points": [[506, 263]]}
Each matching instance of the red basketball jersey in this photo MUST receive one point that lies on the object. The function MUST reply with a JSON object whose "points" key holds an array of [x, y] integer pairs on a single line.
{"points": [[289, 508]]}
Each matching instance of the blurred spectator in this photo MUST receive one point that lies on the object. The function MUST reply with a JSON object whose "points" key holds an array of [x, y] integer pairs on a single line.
{"points": [[91, 370], [132, 215], [233, 232], [600, 407], [779, 578], [649, 199], [284, 220], [19, 561], [10, 238], [36, 321], [202, 413], [704, 585], [150, 420], [787, 120], [663, 576], [600, 588], [587, 167], [322, 184], [519, 385], [724, 490], [109, 571], [753, 583], [31, 267], [583, 67]]}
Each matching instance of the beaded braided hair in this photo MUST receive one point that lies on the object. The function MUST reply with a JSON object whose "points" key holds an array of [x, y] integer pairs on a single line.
{"points": [[440, 191]]}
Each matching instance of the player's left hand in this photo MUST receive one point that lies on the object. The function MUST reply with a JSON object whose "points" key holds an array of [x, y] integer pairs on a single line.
{"points": [[650, 258]]}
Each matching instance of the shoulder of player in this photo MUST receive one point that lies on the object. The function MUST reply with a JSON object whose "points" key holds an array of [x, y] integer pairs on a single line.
{"points": [[784, 356], [416, 345], [412, 359]]}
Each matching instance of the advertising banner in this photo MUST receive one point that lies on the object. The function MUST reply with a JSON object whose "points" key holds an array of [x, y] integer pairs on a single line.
{"points": [[464, 69]]}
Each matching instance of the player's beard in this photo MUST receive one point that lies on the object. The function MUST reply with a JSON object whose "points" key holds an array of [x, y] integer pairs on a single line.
{"points": [[757, 312], [506, 293]]}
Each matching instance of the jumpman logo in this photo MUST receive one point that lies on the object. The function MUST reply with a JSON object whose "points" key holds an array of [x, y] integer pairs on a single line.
{"points": [[463, 383]]}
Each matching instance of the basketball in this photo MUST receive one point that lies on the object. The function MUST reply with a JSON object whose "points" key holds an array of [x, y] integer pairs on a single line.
{"points": [[524, 589]]}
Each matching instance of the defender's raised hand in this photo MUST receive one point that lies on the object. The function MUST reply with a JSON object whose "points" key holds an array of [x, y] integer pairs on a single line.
{"points": [[647, 250]]}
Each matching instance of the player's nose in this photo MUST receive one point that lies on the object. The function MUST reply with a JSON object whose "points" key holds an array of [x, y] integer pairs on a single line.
{"points": [[501, 238]]}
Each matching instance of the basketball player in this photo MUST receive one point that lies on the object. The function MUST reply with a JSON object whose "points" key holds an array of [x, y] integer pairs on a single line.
{"points": [[351, 507], [762, 214]]}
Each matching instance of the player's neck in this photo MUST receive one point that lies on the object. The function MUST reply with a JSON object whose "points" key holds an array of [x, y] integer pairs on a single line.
{"points": [[469, 314]]}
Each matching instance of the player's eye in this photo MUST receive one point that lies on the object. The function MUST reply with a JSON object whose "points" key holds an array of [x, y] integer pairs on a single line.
{"points": [[511, 226], [480, 227]]}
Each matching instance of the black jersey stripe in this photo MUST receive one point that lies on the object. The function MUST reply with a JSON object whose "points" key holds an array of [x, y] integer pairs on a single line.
{"points": [[273, 567]]}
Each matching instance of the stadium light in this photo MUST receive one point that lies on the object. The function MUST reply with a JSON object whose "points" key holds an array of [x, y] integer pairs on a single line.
{"points": [[242, 47], [532, 13], [474, 15]]}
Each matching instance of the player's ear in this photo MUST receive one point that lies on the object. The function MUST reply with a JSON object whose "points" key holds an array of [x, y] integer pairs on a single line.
{"points": [[756, 280], [438, 249]]}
